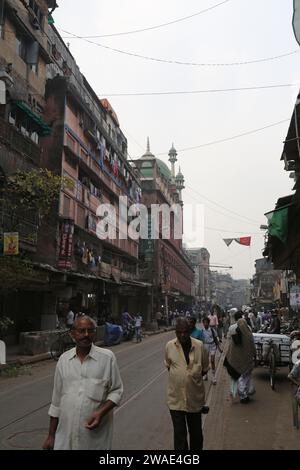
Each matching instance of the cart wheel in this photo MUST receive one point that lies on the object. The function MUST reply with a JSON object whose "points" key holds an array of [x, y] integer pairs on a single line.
{"points": [[272, 364], [56, 350]]}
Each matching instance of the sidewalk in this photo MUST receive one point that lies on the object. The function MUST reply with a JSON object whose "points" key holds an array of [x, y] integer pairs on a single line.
{"points": [[13, 358], [263, 424]]}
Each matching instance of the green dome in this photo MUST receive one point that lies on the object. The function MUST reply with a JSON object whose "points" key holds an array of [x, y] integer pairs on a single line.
{"points": [[164, 169], [146, 169]]}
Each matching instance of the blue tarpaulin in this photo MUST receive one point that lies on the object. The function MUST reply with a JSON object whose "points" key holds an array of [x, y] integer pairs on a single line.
{"points": [[112, 334]]}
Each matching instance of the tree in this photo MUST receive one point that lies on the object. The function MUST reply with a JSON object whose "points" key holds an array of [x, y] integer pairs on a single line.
{"points": [[30, 195], [35, 190]]}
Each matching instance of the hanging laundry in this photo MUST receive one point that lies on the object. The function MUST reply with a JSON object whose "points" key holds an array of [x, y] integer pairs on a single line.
{"points": [[115, 168], [84, 258]]}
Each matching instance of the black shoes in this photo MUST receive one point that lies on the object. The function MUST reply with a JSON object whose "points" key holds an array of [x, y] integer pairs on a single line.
{"points": [[244, 400], [205, 410]]}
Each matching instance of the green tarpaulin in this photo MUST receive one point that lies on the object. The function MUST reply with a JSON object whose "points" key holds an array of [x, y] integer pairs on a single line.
{"points": [[44, 128], [278, 223]]}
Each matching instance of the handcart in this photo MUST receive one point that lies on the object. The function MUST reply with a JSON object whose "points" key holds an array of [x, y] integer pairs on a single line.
{"points": [[272, 351]]}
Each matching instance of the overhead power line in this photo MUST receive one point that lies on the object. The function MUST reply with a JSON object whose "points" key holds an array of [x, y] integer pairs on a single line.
{"points": [[221, 212], [151, 28], [227, 139], [232, 231], [191, 92], [223, 207], [178, 62]]}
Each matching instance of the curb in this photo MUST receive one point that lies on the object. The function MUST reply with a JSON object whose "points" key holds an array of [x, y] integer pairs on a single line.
{"points": [[22, 362]]}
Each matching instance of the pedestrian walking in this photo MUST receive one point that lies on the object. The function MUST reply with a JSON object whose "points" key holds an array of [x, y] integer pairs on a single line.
{"points": [[186, 361], [158, 317], [138, 319], [70, 318], [211, 344], [240, 358], [213, 321], [226, 324], [87, 386], [294, 377], [194, 331]]}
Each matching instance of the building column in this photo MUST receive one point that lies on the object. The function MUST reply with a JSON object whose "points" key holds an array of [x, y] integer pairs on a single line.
{"points": [[115, 313], [49, 315]]}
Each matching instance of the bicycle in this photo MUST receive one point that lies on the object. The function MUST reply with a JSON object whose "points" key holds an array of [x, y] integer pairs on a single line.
{"points": [[63, 343]]}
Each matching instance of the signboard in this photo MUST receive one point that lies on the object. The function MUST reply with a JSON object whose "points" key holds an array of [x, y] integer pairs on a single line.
{"points": [[11, 244], [66, 244]]}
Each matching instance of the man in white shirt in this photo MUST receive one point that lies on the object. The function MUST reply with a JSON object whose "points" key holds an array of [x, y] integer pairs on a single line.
{"points": [[70, 318], [87, 386]]}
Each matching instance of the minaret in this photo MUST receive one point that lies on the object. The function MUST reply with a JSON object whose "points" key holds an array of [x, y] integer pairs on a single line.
{"points": [[148, 153], [180, 185], [173, 160]]}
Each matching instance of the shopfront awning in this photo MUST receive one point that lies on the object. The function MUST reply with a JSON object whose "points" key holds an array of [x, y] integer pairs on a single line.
{"points": [[43, 128], [136, 283], [291, 148]]}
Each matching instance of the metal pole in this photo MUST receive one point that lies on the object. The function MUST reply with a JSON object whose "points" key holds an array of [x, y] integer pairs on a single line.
{"points": [[167, 309]]}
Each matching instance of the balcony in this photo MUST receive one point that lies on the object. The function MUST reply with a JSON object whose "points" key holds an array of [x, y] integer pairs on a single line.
{"points": [[18, 142], [26, 224]]}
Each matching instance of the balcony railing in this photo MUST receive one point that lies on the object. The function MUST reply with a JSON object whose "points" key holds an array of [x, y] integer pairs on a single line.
{"points": [[19, 142], [27, 227]]}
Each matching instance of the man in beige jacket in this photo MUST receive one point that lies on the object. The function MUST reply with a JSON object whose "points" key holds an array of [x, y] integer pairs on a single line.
{"points": [[187, 362]]}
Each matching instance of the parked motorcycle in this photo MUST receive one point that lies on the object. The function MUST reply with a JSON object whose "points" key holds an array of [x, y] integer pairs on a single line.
{"points": [[128, 331]]}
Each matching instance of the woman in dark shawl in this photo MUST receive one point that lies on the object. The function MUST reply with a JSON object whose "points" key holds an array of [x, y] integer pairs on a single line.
{"points": [[239, 360]]}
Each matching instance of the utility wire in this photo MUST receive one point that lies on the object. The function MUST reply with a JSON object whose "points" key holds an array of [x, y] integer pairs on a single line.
{"points": [[227, 215], [214, 142], [152, 27], [222, 207], [178, 62], [191, 92], [232, 231]]}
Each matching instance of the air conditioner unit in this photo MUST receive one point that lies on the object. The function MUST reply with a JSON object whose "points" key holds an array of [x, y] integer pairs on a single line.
{"points": [[6, 78]]}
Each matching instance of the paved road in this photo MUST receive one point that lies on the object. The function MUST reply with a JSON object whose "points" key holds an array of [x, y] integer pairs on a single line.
{"points": [[142, 421], [24, 400]]}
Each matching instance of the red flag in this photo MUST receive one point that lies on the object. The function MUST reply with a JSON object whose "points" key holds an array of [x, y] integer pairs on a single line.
{"points": [[246, 241]]}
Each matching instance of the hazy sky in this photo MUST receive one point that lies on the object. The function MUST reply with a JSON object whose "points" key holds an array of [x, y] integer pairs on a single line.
{"points": [[244, 175]]}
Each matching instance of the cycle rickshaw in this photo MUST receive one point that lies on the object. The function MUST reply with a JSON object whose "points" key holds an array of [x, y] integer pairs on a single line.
{"points": [[272, 351]]}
